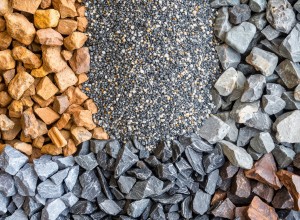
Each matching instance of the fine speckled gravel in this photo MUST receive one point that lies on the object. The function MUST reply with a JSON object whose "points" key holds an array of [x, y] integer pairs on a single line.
{"points": [[153, 63]]}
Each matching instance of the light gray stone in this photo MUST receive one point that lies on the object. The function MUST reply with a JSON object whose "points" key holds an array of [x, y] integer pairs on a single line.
{"points": [[262, 143], [70, 180], [125, 183], [270, 33], [69, 199], [257, 5], [239, 13], [64, 162], [290, 102], [12, 160], [259, 120], [90, 184], [254, 88], [87, 162], [44, 168], [222, 24], [201, 202], [223, 3], [284, 156], [136, 208], [7, 184], [297, 93], [228, 56], [18, 200], [4, 201], [227, 82], [110, 207], [26, 180], [53, 209], [289, 48], [19, 214], [274, 89], [125, 160], [259, 20], [239, 87], [242, 112], [31, 206], [59, 177], [50, 190], [97, 145], [272, 104]]}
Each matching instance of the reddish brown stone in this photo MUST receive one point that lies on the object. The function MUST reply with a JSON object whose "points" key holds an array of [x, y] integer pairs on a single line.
{"points": [[224, 210], [283, 199], [258, 210], [228, 170], [296, 161], [218, 196], [292, 183], [240, 212], [264, 191], [264, 171], [241, 185]]}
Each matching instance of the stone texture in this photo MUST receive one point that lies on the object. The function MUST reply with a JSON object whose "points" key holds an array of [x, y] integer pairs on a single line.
{"points": [[257, 5], [242, 112], [214, 160], [50, 190], [90, 185], [125, 160], [49, 37], [224, 210], [87, 162], [44, 168], [228, 56], [136, 208], [254, 88], [289, 72], [284, 156], [260, 210], [110, 207], [80, 61], [70, 180], [239, 13], [227, 82], [201, 202], [53, 209], [289, 47], [283, 199], [52, 59], [7, 185], [12, 160], [272, 104], [65, 8], [26, 180], [222, 24], [263, 191], [59, 177], [75, 40], [28, 58], [262, 143], [46, 18], [19, 84], [259, 20], [194, 158]]}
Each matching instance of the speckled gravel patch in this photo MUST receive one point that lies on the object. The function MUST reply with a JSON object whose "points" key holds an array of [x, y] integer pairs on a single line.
{"points": [[153, 63]]}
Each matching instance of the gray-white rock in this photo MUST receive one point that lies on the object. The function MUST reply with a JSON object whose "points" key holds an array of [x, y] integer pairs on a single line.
{"points": [[240, 37], [19, 214], [214, 130], [87, 162], [12, 160], [270, 33], [290, 102], [97, 145], [289, 48], [289, 72], [259, 20], [125, 160], [274, 89], [284, 156], [239, 13], [260, 121], [201, 202], [69, 199], [53, 209], [280, 15], [263, 61], [4, 201], [211, 182], [31, 206], [227, 82], [236, 155], [91, 187], [166, 171], [297, 6], [262, 143], [44, 168], [70, 180], [157, 211], [222, 24], [297, 93], [239, 87], [195, 160], [110, 207], [7, 184], [59, 177], [125, 183], [26, 180], [254, 88], [223, 3], [254, 154], [50, 190], [136, 208], [242, 112], [258, 5], [18, 200], [228, 56], [112, 148], [65, 162], [84, 207], [272, 104]]}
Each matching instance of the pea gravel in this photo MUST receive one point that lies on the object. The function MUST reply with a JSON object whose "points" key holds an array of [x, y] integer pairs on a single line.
{"points": [[152, 66]]}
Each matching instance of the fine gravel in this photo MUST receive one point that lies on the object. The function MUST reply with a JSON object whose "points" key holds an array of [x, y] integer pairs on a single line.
{"points": [[152, 66]]}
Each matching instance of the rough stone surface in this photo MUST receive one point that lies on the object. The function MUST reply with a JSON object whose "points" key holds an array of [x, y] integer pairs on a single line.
{"points": [[239, 13], [201, 202], [262, 143], [227, 56], [284, 156], [45, 168], [12, 160], [88, 162], [26, 181], [254, 88], [272, 104]]}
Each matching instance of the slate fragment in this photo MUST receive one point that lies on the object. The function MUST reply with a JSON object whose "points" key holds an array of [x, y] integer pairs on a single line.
{"points": [[83, 207], [125, 183], [59, 177], [195, 160], [125, 160], [109, 207], [289, 47], [87, 162], [284, 156], [240, 186], [239, 13], [31, 206], [142, 172], [201, 202], [26, 180], [112, 148], [283, 199], [228, 56], [104, 184], [222, 24], [44, 168], [262, 143], [136, 208], [224, 210], [186, 210], [7, 184], [69, 199], [70, 180], [4, 201], [18, 214], [213, 160], [90, 185], [272, 104], [53, 209], [177, 150], [254, 88], [157, 212], [50, 190], [65, 162], [168, 199], [12, 160], [264, 191], [166, 172], [163, 151], [228, 170], [183, 167], [211, 182]]}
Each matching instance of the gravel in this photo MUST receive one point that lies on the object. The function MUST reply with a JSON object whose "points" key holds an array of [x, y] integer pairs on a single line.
{"points": [[152, 66]]}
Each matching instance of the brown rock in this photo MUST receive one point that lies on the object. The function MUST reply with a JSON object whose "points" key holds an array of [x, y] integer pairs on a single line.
{"points": [[36, 153], [24, 147], [82, 23], [7, 62], [80, 134], [42, 127], [224, 210], [80, 62], [51, 149], [75, 40], [218, 197], [45, 4], [240, 212], [5, 99], [76, 96], [67, 134], [25, 139], [5, 7], [228, 170], [263, 191], [61, 103], [19, 28], [258, 210], [47, 115], [8, 76], [90, 105], [43, 103], [52, 59], [15, 109], [66, 8], [82, 77], [49, 37], [240, 186], [84, 118], [74, 108], [29, 6], [19, 84], [81, 10], [65, 78], [70, 149], [63, 121], [56, 137], [46, 18], [264, 171], [38, 142], [66, 26], [12, 133], [2, 24], [292, 183], [40, 72], [283, 199], [30, 125], [27, 102], [100, 134], [5, 123], [296, 161], [29, 59], [5, 40], [46, 89], [67, 55]]}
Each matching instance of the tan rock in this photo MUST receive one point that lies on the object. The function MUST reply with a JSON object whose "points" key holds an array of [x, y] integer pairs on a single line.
{"points": [[30, 91], [27, 102], [47, 115], [67, 55], [5, 123], [7, 62], [3, 111], [8, 75], [40, 72], [51, 149], [66, 26], [46, 18], [70, 149], [25, 139], [2, 24], [45, 4], [24, 148], [82, 23], [63, 121], [5, 7], [36, 153], [42, 127], [81, 10], [52, 59], [76, 96], [30, 124], [15, 109], [66, 8], [43, 103], [49, 37], [46, 89], [5, 99], [80, 134], [67, 134], [19, 28], [5, 40], [82, 77], [75, 41], [84, 118], [56, 137], [61, 103], [38, 142], [29, 6], [29, 59], [19, 84], [74, 108], [90, 105], [100, 134], [65, 78], [12, 133], [80, 61]]}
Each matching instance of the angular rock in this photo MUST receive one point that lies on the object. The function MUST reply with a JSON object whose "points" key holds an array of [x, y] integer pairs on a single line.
{"points": [[290, 102], [260, 121], [240, 186], [242, 112], [75, 40], [211, 182], [163, 151], [283, 199], [260, 210], [166, 172], [270, 33], [31, 206], [228, 56], [125, 183], [3, 204], [195, 160], [64, 162], [157, 212], [257, 5], [49, 37], [168, 199], [53, 209], [80, 61], [52, 59], [201, 202], [50, 190], [239, 88], [83, 207], [18, 214], [7, 185], [239, 13], [289, 72], [259, 20], [26, 180], [142, 172], [183, 167], [274, 89], [44, 168], [125, 160], [69, 199], [46, 18], [110, 207], [136, 208], [19, 84], [11, 160], [272, 104], [59, 177], [262, 143], [254, 88], [222, 24], [112, 148], [5, 123], [28, 58], [289, 47], [223, 3], [263, 191], [228, 170], [213, 160], [227, 82], [70, 180], [87, 162], [284, 156], [224, 210]]}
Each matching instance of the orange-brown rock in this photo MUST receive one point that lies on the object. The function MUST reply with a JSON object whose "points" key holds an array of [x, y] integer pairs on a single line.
{"points": [[264, 191], [52, 59], [19, 28], [7, 62], [23, 147], [12, 133], [84, 118], [5, 7], [80, 61], [74, 108], [42, 127], [51, 149], [30, 125], [5, 123], [82, 77], [67, 134], [81, 10], [49, 37], [3, 111], [56, 137], [19, 84], [29, 6], [66, 26], [27, 102], [61, 103], [70, 148], [30, 91], [264, 171], [5, 99], [80, 134], [100, 134], [65, 78], [38, 142], [66, 8], [5, 40], [258, 210], [45, 4], [63, 121], [2, 24], [47, 115], [224, 210], [25, 139], [36, 153], [90, 105], [15, 109], [8, 75], [219, 196], [29, 59], [82, 23], [75, 41], [46, 89], [76, 96], [67, 55], [40, 72], [46, 18], [292, 182], [240, 212]]}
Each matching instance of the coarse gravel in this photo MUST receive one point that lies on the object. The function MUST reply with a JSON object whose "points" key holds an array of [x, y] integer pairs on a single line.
{"points": [[152, 66]]}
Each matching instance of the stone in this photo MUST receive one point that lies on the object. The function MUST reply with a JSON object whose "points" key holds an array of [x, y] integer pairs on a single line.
{"points": [[260, 121], [84, 118], [3, 204], [53, 209], [7, 61], [211, 182], [23, 147], [52, 59], [263, 191], [239, 13], [125, 183], [75, 40], [5, 40], [236, 155], [270, 33], [87, 162], [44, 168], [254, 88], [12, 160], [99, 133], [65, 78], [19, 84], [264, 171], [297, 93], [163, 151], [51, 149], [239, 89], [50, 190], [287, 127], [31, 206], [213, 160], [66, 26], [227, 82], [5, 99], [222, 24], [284, 156], [46, 18], [6, 7], [110, 207], [97, 145], [18, 214], [47, 115], [57, 138], [104, 185], [201, 202], [223, 3], [289, 72], [49, 37], [242, 112], [168, 199], [29, 6], [157, 212], [280, 15], [28, 58], [70, 180], [83, 207], [59, 177], [64, 162], [7, 185], [45, 88], [240, 185], [5, 123], [80, 134], [262, 143], [125, 160], [19, 28], [30, 124], [290, 102], [260, 210], [136, 208], [195, 160], [69, 199], [228, 170], [166, 172], [91, 187], [240, 37], [224, 210], [272, 104], [80, 61], [283, 199], [142, 172], [259, 20], [26, 180], [288, 47], [257, 5], [183, 167], [274, 89], [40, 72], [82, 23], [65, 8]]}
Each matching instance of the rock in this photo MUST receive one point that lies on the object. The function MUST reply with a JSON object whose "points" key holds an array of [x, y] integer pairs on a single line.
{"points": [[3, 204], [80, 61], [287, 127], [270, 33], [52, 59], [87, 162], [64, 162], [28, 6], [237, 155], [66, 26], [223, 3], [257, 5], [69, 199], [47, 115], [29, 59], [222, 24], [259, 20], [59, 177], [49, 37], [186, 210], [83, 207], [263, 191], [7, 62], [264, 171], [125, 160], [26, 180], [272, 104], [166, 172], [70, 180], [11, 160], [280, 15], [260, 210], [45, 168], [227, 82], [227, 56], [211, 182], [104, 184], [283, 199], [214, 160], [75, 40], [125, 183], [254, 154], [51, 149], [288, 47], [263, 61], [297, 93], [163, 151], [6, 7], [168, 199], [242, 112], [239, 89], [290, 102], [260, 121], [240, 37], [240, 186], [136, 208], [31, 206], [65, 78], [7, 185], [195, 160], [228, 170], [112, 148], [46, 89], [284, 156], [46, 18], [157, 212], [19, 84], [239, 13], [262, 143], [90, 185], [53, 209], [254, 88], [5, 40], [50, 190], [201, 202], [5, 123], [183, 167], [224, 210], [110, 207], [80, 134], [65, 8], [289, 72]]}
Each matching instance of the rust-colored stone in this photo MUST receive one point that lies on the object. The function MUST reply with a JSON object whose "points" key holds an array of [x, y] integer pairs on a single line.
{"points": [[80, 61], [63, 121], [24, 147], [52, 59], [46, 18], [100, 134], [75, 41], [66, 26], [70, 149], [66, 8], [38, 142], [5, 40], [49, 37], [46, 88], [29, 6], [19, 84], [51, 149], [80, 134], [7, 62], [15, 109], [240, 186], [5, 99], [56, 137], [240, 212], [84, 118], [219, 196], [47, 115], [224, 210], [228, 170], [29, 59], [65, 78], [258, 210], [5, 123], [263, 191], [283, 199]]}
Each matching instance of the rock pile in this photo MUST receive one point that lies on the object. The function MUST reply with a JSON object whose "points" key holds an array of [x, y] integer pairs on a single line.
{"points": [[42, 66]]}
